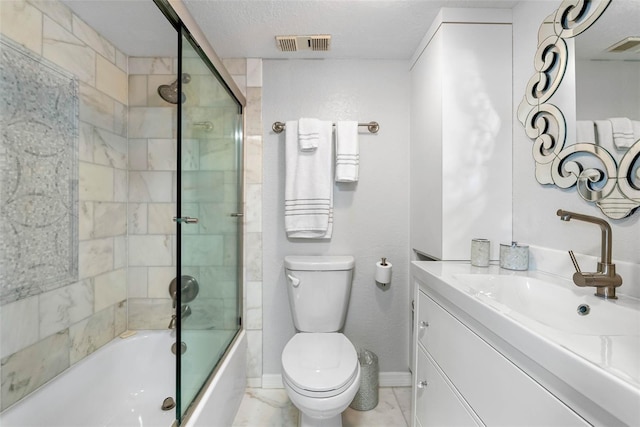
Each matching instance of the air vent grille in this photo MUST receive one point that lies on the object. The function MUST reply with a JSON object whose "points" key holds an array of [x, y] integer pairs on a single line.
{"points": [[627, 44], [320, 42], [287, 43]]}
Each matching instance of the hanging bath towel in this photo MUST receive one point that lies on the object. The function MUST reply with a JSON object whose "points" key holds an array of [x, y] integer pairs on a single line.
{"points": [[347, 151], [308, 193]]}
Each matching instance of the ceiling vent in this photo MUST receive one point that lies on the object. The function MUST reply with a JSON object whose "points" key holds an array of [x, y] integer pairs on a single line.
{"points": [[625, 45], [320, 42], [287, 43]]}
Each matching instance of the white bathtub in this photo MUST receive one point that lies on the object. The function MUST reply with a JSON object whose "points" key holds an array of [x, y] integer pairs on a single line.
{"points": [[124, 383]]}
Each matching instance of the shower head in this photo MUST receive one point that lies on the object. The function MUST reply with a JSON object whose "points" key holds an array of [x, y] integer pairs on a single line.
{"points": [[170, 92]]}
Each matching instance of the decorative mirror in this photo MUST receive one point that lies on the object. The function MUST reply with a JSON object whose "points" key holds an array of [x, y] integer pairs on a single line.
{"points": [[602, 161]]}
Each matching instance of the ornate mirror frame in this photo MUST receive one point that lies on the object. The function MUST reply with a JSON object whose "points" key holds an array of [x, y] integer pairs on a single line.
{"points": [[613, 186]]}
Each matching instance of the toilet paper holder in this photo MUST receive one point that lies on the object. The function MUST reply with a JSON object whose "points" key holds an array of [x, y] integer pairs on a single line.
{"points": [[383, 272]]}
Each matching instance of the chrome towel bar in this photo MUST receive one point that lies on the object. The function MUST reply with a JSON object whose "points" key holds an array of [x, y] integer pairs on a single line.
{"points": [[373, 127]]}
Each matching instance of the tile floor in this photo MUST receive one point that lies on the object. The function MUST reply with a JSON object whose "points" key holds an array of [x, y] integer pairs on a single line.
{"points": [[263, 407]]}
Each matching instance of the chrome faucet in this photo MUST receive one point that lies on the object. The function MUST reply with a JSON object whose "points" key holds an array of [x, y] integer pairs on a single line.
{"points": [[605, 279]]}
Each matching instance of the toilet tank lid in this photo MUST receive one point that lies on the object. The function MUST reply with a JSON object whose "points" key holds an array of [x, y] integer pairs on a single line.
{"points": [[319, 263]]}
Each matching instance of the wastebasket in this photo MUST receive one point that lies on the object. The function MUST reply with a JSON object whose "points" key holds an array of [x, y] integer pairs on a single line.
{"points": [[367, 396]]}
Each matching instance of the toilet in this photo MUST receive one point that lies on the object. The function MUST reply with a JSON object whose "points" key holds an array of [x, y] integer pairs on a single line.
{"points": [[320, 369]]}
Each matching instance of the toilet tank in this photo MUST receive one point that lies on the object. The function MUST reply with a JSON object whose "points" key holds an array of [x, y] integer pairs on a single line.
{"points": [[319, 288]]}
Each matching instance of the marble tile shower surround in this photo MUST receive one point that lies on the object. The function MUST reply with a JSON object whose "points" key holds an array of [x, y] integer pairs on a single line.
{"points": [[247, 73], [208, 247], [38, 177], [43, 334]]}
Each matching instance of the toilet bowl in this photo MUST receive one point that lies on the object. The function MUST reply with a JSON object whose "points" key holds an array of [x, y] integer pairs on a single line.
{"points": [[321, 374]]}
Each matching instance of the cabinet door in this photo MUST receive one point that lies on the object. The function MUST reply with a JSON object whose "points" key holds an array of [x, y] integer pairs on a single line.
{"points": [[499, 392], [436, 403]]}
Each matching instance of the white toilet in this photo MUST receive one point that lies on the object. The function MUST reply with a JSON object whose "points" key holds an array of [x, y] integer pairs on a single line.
{"points": [[320, 368]]}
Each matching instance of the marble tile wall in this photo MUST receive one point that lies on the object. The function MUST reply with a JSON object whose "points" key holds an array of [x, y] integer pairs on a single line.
{"points": [[43, 335], [152, 193], [247, 73], [208, 158]]}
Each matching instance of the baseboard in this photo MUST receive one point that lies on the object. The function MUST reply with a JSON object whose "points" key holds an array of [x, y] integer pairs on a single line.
{"points": [[385, 379], [254, 382], [272, 381], [394, 379]]}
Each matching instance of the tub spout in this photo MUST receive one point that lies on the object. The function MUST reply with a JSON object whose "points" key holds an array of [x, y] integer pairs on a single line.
{"points": [[605, 279], [185, 312]]}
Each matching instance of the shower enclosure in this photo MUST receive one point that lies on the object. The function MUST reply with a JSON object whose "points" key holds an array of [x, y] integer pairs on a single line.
{"points": [[121, 207], [208, 220]]}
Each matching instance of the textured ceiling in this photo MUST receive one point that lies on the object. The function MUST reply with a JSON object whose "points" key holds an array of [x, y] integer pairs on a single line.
{"points": [[380, 29], [620, 20], [359, 29]]}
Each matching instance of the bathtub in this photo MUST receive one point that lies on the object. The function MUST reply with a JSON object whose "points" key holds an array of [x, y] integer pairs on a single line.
{"points": [[124, 383]]}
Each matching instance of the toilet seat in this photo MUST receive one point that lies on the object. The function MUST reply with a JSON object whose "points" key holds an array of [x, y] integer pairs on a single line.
{"points": [[319, 364]]}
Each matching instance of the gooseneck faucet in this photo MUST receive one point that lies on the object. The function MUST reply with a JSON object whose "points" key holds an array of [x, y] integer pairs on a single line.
{"points": [[605, 279]]}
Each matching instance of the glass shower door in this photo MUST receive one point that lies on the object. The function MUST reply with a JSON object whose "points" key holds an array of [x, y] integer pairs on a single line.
{"points": [[209, 230]]}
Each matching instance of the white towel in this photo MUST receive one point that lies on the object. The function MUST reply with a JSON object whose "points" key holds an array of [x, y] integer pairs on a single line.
{"points": [[622, 132], [604, 132], [636, 129], [347, 151], [308, 134], [308, 185], [585, 131]]}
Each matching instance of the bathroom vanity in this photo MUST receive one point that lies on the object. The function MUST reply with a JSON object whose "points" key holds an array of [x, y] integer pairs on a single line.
{"points": [[497, 347]]}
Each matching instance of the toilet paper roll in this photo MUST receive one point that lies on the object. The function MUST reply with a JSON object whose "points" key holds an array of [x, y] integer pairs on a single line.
{"points": [[383, 272]]}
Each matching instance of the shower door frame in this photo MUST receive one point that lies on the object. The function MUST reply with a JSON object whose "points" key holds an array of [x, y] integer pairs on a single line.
{"points": [[176, 13]]}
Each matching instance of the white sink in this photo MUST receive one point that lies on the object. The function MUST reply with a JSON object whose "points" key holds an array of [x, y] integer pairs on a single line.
{"points": [[554, 304]]}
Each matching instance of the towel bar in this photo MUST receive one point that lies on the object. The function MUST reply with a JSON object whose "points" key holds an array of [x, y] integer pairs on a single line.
{"points": [[373, 127]]}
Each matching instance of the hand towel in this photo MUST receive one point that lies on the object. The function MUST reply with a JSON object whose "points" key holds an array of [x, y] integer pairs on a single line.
{"points": [[585, 131], [308, 185], [622, 132], [347, 151], [604, 133], [636, 129], [308, 134]]}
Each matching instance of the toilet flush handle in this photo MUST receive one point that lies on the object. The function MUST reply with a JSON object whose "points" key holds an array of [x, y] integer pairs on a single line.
{"points": [[294, 280]]}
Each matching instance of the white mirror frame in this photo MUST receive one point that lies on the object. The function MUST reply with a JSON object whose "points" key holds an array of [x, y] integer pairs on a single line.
{"points": [[614, 187]]}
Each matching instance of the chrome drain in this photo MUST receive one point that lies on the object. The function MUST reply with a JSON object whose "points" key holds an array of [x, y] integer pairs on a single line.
{"points": [[583, 309], [168, 404]]}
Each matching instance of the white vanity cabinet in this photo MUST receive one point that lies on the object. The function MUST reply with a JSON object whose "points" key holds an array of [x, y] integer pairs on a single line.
{"points": [[460, 136], [460, 379]]}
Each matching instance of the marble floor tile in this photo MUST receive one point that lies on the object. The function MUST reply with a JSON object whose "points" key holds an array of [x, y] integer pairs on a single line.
{"points": [[272, 407], [403, 395], [266, 407]]}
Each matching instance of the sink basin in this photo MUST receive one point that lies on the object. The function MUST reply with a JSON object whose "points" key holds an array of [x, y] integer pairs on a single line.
{"points": [[607, 332], [554, 305]]}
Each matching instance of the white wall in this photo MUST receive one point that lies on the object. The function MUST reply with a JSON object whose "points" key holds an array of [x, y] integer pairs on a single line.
{"points": [[534, 205], [370, 217], [608, 89]]}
